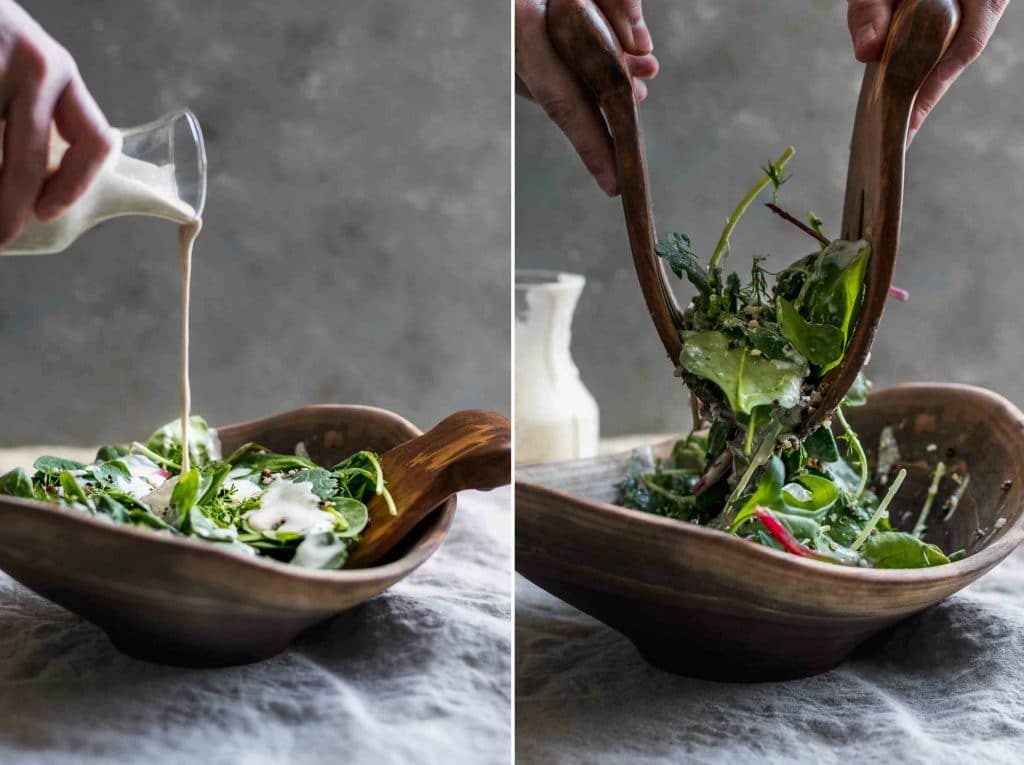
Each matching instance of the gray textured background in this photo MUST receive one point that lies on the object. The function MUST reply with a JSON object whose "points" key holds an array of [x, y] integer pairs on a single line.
{"points": [[739, 82], [355, 246]]}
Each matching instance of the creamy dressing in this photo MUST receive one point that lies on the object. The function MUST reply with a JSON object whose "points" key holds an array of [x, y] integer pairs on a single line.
{"points": [[243, 489], [290, 507], [186, 240], [556, 417], [123, 186], [160, 498], [146, 475]]}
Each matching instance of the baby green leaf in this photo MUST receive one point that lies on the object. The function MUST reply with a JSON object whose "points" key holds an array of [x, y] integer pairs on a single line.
{"points": [[184, 496], [768, 493], [321, 550], [203, 444], [352, 514], [73, 492], [17, 483], [857, 395], [56, 465], [820, 343], [112, 452], [896, 549], [747, 380], [821, 445]]}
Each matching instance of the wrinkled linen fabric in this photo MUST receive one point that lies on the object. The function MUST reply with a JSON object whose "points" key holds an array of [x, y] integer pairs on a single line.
{"points": [[946, 686], [420, 674]]}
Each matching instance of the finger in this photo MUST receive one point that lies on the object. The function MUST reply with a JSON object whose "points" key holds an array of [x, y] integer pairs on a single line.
{"points": [[639, 89], [869, 24], [25, 151], [644, 67], [562, 96], [979, 22], [90, 140], [627, 19], [521, 89]]}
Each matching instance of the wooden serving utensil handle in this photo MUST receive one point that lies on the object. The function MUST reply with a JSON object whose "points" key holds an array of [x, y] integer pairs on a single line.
{"points": [[588, 45], [919, 34], [468, 450]]}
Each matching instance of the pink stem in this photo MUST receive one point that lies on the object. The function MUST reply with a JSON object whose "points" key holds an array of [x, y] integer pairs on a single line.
{"points": [[783, 535], [798, 223], [899, 293]]}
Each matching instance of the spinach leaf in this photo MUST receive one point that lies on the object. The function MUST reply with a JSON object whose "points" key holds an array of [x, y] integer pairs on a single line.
{"points": [[183, 498], [17, 483], [203, 444], [747, 380], [321, 550], [112, 452], [352, 514], [56, 465], [857, 395], [822, 344], [73, 492], [205, 527], [810, 493], [821, 445], [675, 250], [114, 474], [832, 293], [768, 493], [897, 549]]}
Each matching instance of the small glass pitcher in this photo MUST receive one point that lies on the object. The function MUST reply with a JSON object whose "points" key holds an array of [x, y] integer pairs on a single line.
{"points": [[157, 169], [556, 416]]}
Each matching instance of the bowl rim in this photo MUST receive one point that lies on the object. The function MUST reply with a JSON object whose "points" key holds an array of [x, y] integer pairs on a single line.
{"points": [[413, 557], [973, 565]]}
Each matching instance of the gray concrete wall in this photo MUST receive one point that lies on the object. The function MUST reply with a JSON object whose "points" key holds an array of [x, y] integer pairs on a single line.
{"points": [[355, 247], [739, 82]]}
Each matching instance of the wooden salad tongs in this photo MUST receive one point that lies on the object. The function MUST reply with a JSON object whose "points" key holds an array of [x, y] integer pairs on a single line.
{"points": [[919, 34], [467, 450]]}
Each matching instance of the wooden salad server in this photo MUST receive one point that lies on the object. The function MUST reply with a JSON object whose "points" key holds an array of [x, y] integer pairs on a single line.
{"points": [[919, 34], [468, 450]]}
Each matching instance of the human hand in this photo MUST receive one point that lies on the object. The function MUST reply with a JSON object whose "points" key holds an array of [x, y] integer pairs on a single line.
{"points": [[869, 24], [543, 77], [40, 87]]}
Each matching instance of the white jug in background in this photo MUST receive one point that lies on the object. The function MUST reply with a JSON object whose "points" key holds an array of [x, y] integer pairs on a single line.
{"points": [[556, 416]]}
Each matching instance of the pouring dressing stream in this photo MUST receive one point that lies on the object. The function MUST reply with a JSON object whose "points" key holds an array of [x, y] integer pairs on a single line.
{"points": [[157, 170]]}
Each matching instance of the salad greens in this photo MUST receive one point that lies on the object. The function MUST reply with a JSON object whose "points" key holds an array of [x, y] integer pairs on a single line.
{"points": [[253, 502], [753, 357]]}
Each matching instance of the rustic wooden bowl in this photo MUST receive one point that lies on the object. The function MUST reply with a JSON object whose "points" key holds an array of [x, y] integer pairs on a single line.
{"points": [[703, 603], [180, 601]]}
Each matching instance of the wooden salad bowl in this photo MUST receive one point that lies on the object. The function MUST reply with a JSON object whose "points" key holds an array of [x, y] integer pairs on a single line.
{"points": [[703, 603], [176, 600]]}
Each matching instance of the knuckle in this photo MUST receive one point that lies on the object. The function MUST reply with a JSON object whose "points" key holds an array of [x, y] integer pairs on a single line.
{"points": [[997, 7], [592, 159], [974, 44], [32, 60], [562, 111]]}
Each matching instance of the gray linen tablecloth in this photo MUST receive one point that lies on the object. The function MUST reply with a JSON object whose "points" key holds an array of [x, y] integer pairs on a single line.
{"points": [[946, 686], [418, 675]]}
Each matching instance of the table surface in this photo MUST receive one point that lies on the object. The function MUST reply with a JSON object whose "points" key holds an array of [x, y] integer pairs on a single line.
{"points": [[420, 674], [946, 686]]}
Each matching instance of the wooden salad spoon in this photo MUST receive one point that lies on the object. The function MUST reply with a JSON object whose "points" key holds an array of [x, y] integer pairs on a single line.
{"points": [[468, 450], [919, 34]]}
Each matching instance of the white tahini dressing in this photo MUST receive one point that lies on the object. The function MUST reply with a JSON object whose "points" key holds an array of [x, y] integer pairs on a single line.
{"points": [[290, 507], [243, 489], [123, 186]]}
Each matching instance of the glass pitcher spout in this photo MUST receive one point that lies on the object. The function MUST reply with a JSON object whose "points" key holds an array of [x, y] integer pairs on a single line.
{"points": [[157, 169]]}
